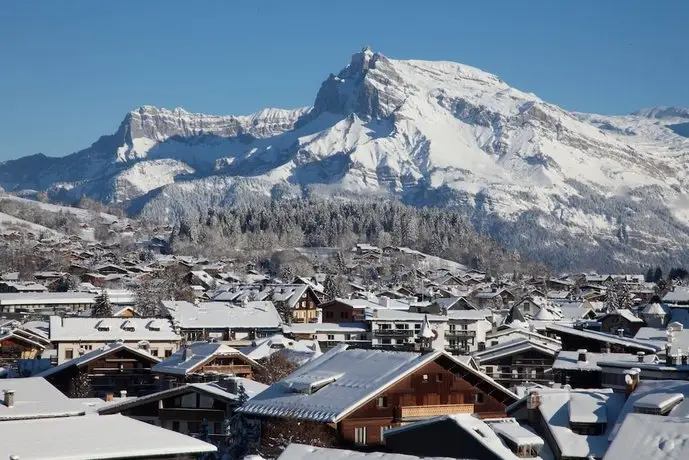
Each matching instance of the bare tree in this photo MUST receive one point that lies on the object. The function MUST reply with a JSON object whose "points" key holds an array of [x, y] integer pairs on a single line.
{"points": [[274, 368], [277, 434]]}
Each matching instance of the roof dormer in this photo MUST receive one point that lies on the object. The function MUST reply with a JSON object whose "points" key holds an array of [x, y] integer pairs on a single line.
{"points": [[128, 326], [102, 326], [658, 403]]}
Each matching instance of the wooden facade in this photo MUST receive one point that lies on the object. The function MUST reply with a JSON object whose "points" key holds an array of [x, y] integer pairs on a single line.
{"points": [[438, 388], [305, 308], [109, 374], [336, 311], [532, 365]]}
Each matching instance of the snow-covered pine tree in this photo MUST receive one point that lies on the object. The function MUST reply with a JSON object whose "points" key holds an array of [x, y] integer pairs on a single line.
{"points": [[102, 308]]}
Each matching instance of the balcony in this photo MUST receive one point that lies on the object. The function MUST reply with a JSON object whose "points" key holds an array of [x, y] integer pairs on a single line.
{"points": [[191, 415], [394, 332], [460, 333], [405, 413]]}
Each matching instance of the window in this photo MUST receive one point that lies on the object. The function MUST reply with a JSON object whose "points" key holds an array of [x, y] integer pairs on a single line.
{"points": [[69, 353], [481, 346], [87, 347], [168, 353], [494, 343], [154, 352], [328, 314], [189, 400], [383, 401], [383, 429], [193, 427], [489, 370], [344, 315], [424, 378], [175, 426], [217, 428], [360, 436], [439, 377], [385, 341], [417, 326], [331, 337], [479, 398]]}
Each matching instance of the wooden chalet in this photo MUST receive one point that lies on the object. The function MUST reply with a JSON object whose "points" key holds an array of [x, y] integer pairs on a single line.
{"points": [[360, 393], [512, 362], [113, 369]]}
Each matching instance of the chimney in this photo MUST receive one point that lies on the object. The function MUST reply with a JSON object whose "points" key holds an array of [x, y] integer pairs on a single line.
{"points": [[684, 360], [187, 354], [14, 457], [606, 347], [9, 398], [668, 355], [640, 356], [109, 397], [631, 380], [581, 356], [620, 332], [678, 356], [533, 402], [123, 393]]}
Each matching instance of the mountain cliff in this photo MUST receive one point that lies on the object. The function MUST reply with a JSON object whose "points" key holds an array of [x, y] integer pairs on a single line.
{"points": [[574, 190]]}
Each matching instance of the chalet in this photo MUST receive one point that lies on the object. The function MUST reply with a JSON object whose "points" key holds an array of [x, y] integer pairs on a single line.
{"points": [[56, 437], [110, 269], [115, 368], [200, 278], [185, 408], [513, 362], [679, 296], [74, 336], [466, 330], [204, 361], [361, 393], [576, 424], [19, 287], [19, 344], [485, 439], [581, 368], [224, 321], [574, 339], [346, 310], [329, 335], [301, 299], [297, 351], [621, 321]]}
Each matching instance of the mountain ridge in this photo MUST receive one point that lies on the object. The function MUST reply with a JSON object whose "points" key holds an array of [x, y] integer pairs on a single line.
{"points": [[427, 133]]}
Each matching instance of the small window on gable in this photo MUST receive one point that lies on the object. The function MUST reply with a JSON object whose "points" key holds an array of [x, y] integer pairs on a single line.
{"points": [[439, 377], [479, 398], [424, 378], [383, 401]]}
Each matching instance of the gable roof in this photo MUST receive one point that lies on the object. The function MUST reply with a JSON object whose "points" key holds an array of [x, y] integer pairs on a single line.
{"points": [[93, 437], [604, 337], [36, 398], [215, 315], [84, 329], [201, 353], [97, 354], [330, 387], [513, 347]]}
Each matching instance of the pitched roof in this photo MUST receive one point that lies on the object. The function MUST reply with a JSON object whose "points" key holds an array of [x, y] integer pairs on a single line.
{"points": [[304, 452], [35, 398], [262, 348], [200, 354], [93, 437], [214, 315], [96, 354], [331, 386], [603, 337], [110, 329], [512, 347]]}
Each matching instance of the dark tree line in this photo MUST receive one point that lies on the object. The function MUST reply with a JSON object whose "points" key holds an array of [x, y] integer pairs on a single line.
{"points": [[340, 223]]}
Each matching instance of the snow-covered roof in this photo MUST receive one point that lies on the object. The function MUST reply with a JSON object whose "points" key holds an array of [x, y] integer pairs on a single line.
{"points": [[214, 315], [304, 452], [604, 337], [569, 360], [626, 314], [96, 354], [586, 407], [58, 298], [680, 294], [512, 347], [199, 354], [555, 408], [384, 314], [646, 388], [517, 434], [331, 386], [66, 329], [469, 314], [35, 397], [262, 348], [93, 437], [653, 309], [651, 437]]}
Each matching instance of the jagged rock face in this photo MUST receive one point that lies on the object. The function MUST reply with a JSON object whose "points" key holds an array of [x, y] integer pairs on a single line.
{"points": [[368, 87], [550, 183]]}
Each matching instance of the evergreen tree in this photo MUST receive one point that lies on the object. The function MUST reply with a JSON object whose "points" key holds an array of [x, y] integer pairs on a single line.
{"points": [[102, 308], [657, 275], [330, 288], [650, 276]]}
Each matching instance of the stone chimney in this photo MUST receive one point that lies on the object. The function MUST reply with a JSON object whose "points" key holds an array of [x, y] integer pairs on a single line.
{"points": [[533, 402], [640, 356], [631, 380], [581, 356], [9, 398], [123, 393], [186, 353]]}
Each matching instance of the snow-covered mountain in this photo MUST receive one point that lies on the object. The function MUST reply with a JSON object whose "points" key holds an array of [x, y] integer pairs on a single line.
{"points": [[576, 190]]}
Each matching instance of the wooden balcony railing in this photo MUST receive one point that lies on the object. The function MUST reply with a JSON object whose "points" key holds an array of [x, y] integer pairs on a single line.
{"points": [[460, 333], [421, 412]]}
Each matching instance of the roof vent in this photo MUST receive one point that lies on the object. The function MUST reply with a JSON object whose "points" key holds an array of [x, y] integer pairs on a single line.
{"points": [[9, 398], [102, 326], [581, 356], [640, 356], [128, 326]]}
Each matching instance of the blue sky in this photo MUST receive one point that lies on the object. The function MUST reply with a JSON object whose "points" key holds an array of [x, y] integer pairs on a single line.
{"points": [[72, 69]]}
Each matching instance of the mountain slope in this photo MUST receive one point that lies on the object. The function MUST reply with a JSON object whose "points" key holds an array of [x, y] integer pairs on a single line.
{"points": [[574, 190]]}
